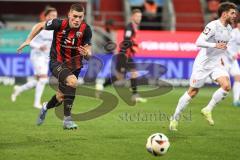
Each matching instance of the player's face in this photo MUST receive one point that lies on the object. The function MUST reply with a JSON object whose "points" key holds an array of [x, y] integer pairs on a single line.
{"points": [[137, 17], [231, 16], [51, 15], [75, 18]]}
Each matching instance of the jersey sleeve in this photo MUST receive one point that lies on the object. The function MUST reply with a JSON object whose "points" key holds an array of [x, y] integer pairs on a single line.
{"points": [[53, 24], [87, 36], [207, 33]]}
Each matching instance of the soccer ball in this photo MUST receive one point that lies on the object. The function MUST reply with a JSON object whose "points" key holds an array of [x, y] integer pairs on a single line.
{"points": [[157, 144]]}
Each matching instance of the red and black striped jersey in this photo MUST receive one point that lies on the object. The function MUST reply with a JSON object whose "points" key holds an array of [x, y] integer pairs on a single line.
{"points": [[129, 43], [66, 41]]}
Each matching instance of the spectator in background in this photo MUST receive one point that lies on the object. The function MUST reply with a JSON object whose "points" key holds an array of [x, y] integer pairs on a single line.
{"points": [[151, 19], [104, 36], [150, 8], [212, 8], [2, 23], [97, 5]]}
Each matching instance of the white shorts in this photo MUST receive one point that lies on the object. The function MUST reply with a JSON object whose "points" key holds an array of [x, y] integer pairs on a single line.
{"points": [[233, 68], [199, 76], [40, 65]]}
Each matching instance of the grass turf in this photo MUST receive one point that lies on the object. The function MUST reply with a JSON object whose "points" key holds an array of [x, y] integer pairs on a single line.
{"points": [[120, 134]]}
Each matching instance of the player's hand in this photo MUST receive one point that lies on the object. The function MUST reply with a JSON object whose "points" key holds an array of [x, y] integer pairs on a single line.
{"points": [[135, 49], [84, 51], [221, 45], [23, 45]]}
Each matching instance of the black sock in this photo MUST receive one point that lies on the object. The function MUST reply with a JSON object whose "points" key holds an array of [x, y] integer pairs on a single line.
{"points": [[134, 85], [69, 96], [53, 103], [109, 81]]}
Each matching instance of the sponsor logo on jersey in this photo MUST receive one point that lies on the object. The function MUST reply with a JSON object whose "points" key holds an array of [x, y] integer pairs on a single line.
{"points": [[78, 34]]}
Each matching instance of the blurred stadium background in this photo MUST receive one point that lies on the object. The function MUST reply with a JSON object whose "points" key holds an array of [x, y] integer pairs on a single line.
{"points": [[167, 33]]}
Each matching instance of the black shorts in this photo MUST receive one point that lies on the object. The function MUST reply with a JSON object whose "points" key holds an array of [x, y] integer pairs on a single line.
{"points": [[124, 64], [61, 71]]}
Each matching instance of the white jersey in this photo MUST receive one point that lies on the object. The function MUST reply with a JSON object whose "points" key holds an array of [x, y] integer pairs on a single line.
{"points": [[209, 57], [44, 38], [233, 47]]}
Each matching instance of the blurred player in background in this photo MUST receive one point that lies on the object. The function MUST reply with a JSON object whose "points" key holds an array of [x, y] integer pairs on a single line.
{"points": [[39, 56], [71, 43], [231, 63], [124, 60], [213, 42]]}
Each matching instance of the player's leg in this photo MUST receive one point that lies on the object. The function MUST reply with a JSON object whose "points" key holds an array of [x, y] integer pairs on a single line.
{"points": [[235, 72], [120, 64], [55, 101], [19, 89], [29, 85], [131, 67], [221, 76], [69, 96], [197, 80], [182, 104], [236, 90], [42, 78], [133, 81]]}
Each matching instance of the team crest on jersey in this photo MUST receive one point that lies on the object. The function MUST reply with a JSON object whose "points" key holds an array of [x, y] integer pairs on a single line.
{"points": [[78, 34], [206, 30], [49, 22]]}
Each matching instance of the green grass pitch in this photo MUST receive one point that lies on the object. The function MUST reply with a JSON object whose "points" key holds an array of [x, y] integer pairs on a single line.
{"points": [[120, 134]]}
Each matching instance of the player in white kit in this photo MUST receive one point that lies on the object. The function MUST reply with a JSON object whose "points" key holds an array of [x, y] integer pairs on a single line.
{"points": [[213, 43], [231, 63], [39, 56]]}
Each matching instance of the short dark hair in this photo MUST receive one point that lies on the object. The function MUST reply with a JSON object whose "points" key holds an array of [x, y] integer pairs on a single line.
{"points": [[136, 11], [226, 6], [48, 10], [77, 7]]}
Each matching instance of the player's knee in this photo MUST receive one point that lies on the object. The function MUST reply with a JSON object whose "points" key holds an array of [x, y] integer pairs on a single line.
{"points": [[72, 81], [226, 87], [59, 96], [193, 92]]}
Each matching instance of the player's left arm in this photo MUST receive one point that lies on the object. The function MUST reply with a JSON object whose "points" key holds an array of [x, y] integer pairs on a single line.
{"points": [[86, 49], [208, 32]]}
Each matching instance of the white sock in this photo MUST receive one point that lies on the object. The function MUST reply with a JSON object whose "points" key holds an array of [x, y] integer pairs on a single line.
{"points": [[182, 104], [39, 90], [26, 86], [218, 96], [236, 91]]}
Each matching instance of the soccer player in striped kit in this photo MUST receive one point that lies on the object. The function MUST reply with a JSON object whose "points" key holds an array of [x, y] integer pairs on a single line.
{"points": [[71, 43]]}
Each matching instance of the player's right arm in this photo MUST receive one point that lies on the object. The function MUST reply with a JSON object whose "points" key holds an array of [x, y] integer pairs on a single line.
{"points": [[35, 30], [207, 33], [53, 24]]}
